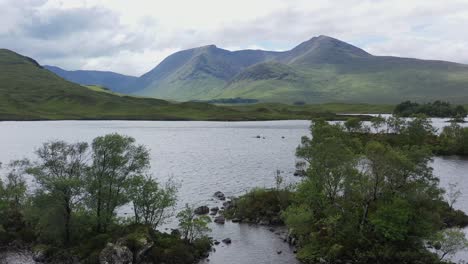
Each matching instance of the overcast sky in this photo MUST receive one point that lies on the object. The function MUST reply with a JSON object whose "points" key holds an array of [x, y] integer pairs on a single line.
{"points": [[132, 37]]}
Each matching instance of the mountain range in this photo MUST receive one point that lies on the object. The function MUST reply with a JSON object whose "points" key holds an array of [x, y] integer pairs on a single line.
{"points": [[322, 69], [28, 91], [117, 82]]}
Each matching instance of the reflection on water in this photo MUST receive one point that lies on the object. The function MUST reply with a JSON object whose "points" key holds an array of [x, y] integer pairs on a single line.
{"points": [[205, 157]]}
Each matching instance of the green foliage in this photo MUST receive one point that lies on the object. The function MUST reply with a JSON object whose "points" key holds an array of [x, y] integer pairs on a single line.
{"points": [[117, 160], [434, 109], [261, 205], [366, 199], [192, 226], [453, 140], [60, 173], [172, 250], [151, 201], [71, 214], [390, 220], [448, 242]]}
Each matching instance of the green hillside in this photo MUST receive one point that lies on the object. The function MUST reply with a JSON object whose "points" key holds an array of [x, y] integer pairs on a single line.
{"points": [[30, 92], [320, 70]]}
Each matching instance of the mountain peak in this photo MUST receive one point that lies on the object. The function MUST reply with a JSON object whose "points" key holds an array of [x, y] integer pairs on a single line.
{"points": [[324, 49], [9, 56]]}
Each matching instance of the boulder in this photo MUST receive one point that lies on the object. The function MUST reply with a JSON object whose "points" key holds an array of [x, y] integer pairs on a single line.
{"points": [[220, 195], [142, 252], [227, 204], [219, 219], [215, 209], [202, 210], [39, 254], [227, 241], [115, 254], [300, 173], [236, 220]]}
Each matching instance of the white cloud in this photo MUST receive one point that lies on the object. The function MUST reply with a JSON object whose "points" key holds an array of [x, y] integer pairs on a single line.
{"points": [[133, 36]]}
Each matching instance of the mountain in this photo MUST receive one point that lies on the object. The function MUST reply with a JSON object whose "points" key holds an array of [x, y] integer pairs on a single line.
{"points": [[198, 73], [116, 82], [322, 69], [30, 92]]}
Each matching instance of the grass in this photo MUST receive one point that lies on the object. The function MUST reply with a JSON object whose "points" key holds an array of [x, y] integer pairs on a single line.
{"points": [[315, 109], [29, 92], [320, 71]]}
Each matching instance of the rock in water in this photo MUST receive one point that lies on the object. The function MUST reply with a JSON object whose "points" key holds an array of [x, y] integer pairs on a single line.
{"points": [[220, 195], [115, 254], [227, 241], [219, 219], [202, 210]]}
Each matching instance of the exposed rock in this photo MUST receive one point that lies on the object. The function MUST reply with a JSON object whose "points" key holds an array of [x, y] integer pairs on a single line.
{"points": [[39, 254], [236, 220], [276, 221], [215, 209], [202, 210], [143, 251], [115, 254], [213, 213], [271, 229], [300, 173], [220, 195], [228, 204], [219, 219], [279, 252], [227, 241], [216, 242], [264, 222]]}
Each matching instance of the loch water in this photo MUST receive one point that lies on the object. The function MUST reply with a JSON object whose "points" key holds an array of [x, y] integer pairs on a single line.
{"points": [[205, 157]]}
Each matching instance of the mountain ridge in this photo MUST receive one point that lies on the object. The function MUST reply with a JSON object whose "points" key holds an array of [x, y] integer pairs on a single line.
{"points": [[320, 70], [29, 91]]}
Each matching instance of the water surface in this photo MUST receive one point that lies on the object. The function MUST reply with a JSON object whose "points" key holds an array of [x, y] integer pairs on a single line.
{"points": [[205, 157]]}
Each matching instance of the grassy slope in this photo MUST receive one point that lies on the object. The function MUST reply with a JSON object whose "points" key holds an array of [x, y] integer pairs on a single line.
{"points": [[313, 109], [357, 82], [29, 92], [320, 70]]}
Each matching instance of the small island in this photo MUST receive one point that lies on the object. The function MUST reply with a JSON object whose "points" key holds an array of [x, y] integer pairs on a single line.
{"points": [[365, 197]]}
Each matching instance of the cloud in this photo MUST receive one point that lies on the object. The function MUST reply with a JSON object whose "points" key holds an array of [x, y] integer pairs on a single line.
{"points": [[133, 38]]}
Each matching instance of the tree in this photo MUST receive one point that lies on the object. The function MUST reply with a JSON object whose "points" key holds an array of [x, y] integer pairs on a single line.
{"points": [[449, 241], [14, 191], [191, 225], [377, 122], [363, 199], [418, 131], [353, 125], [151, 201], [453, 193], [451, 139], [395, 124], [116, 161], [60, 173]]}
